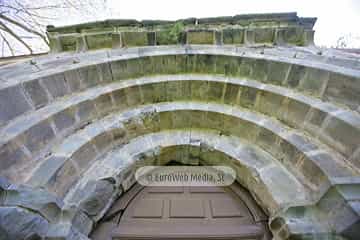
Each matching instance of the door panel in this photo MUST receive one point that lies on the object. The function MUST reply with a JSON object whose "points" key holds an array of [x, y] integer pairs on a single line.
{"points": [[184, 213]]}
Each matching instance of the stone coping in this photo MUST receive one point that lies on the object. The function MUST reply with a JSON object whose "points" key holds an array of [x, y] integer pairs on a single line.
{"points": [[246, 19], [250, 29]]}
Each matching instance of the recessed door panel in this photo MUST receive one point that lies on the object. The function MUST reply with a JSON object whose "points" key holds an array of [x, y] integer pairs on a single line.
{"points": [[186, 213]]}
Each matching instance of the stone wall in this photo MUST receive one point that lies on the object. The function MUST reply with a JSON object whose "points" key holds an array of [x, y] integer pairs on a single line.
{"points": [[253, 29]]}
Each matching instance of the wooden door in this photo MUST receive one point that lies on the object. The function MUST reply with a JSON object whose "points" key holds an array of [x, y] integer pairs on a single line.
{"points": [[185, 213]]}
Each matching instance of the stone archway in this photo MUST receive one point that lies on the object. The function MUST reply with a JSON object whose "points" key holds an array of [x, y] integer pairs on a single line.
{"points": [[251, 92]]}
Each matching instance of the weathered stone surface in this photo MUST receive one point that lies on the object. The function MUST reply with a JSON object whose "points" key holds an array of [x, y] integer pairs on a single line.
{"points": [[94, 197], [269, 103], [320, 221], [277, 72], [343, 87], [37, 200], [162, 68], [293, 35], [12, 103], [103, 104], [133, 96], [72, 78], [64, 232], [249, 37], [291, 151], [84, 155], [314, 81], [96, 41], [38, 136], [279, 115], [11, 155], [293, 111], [19, 223], [262, 35], [36, 93], [233, 36], [68, 43], [56, 85], [134, 38], [215, 91], [89, 76], [343, 137], [77, 219], [248, 97], [296, 74], [64, 177], [86, 110], [247, 156], [200, 37], [46, 170], [105, 72], [293, 30], [227, 92], [64, 120], [103, 142], [231, 94]]}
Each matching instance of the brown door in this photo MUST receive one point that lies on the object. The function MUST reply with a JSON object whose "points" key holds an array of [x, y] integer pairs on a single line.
{"points": [[186, 213]]}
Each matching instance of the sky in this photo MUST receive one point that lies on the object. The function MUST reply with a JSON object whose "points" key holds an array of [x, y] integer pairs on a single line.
{"points": [[336, 18]]}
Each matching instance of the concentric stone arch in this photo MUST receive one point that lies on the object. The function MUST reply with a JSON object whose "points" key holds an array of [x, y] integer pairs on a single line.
{"points": [[255, 100]]}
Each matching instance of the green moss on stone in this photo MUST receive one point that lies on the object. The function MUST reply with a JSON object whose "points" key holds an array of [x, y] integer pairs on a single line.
{"points": [[134, 38], [68, 43], [170, 35], [200, 37], [98, 41]]}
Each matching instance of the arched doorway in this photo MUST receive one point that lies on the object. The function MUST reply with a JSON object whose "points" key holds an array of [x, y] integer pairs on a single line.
{"points": [[184, 213]]}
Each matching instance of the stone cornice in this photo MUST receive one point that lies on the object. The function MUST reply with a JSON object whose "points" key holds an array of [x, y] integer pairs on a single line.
{"points": [[248, 29]]}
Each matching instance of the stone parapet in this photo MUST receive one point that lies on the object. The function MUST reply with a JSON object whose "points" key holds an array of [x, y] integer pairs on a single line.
{"points": [[250, 29]]}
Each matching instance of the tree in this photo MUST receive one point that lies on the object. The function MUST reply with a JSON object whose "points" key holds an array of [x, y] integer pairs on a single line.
{"points": [[348, 41], [23, 22]]}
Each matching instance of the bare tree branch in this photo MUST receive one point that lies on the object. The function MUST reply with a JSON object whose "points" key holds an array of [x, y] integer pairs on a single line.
{"points": [[7, 44], [26, 20], [41, 7], [24, 27], [2, 48], [8, 30], [25, 11]]}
